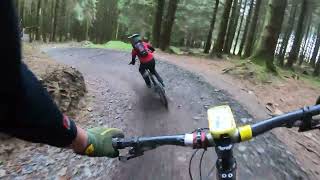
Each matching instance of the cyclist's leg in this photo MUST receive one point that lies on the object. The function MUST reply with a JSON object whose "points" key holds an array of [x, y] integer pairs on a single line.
{"points": [[142, 70], [152, 69]]}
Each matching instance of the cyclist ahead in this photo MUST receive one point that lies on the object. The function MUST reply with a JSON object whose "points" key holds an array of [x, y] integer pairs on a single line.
{"points": [[144, 52]]}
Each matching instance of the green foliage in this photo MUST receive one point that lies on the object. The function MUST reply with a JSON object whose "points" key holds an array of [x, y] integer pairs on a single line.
{"points": [[192, 21], [175, 50], [115, 45], [85, 10], [136, 16], [311, 79], [103, 20], [246, 69], [285, 73]]}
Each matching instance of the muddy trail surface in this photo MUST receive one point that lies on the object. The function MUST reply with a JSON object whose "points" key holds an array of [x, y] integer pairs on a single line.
{"points": [[119, 98]]}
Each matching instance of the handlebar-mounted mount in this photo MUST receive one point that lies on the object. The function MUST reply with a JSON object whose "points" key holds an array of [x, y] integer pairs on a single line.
{"points": [[307, 122]]}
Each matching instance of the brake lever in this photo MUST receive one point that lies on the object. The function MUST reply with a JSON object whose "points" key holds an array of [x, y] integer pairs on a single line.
{"points": [[315, 123], [134, 152]]}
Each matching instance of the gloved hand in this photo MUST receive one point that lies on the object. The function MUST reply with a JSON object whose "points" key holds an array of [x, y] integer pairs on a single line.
{"points": [[100, 142], [132, 62]]}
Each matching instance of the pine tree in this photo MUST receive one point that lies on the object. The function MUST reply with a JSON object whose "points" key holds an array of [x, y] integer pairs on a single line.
{"points": [[271, 31]]}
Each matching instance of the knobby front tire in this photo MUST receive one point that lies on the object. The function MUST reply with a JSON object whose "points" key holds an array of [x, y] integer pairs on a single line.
{"points": [[163, 97]]}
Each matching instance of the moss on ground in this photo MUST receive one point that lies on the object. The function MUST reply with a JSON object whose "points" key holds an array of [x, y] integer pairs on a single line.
{"points": [[259, 74], [115, 45]]}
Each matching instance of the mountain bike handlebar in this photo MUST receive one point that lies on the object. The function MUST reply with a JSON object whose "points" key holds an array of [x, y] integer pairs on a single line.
{"points": [[200, 139], [151, 142], [301, 118]]}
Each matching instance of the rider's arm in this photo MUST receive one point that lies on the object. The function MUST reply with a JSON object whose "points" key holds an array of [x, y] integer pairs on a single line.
{"points": [[150, 47], [27, 111], [133, 56], [36, 117]]}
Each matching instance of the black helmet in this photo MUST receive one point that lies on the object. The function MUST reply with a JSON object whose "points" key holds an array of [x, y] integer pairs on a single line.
{"points": [[135, 38]]}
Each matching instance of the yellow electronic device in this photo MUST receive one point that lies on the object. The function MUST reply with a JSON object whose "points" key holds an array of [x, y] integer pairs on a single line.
{"points": [[221, 121]]}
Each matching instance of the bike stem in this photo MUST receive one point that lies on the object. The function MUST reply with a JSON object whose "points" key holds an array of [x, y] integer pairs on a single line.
{"points": [[226, 164]]}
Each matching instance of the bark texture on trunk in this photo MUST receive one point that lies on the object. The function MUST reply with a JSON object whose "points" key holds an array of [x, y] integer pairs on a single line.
{"points": [[168, 23], [287, 35], [316, 49], [240, 26], [156, 29], [212, 24], [252, 30], [232, 27], [246, 28], [218, 47], [270, 34], [293, 55]]}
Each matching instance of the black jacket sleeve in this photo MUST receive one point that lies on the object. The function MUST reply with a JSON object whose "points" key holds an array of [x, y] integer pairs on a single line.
{"points": [[26, 109]]}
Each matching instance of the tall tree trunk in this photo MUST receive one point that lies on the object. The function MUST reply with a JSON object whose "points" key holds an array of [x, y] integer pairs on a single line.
{"points": [[312, 43], [38, 28], [168, 23], [21, 11], [252, 30], [305, 44], [156, 30], [32, 21], [233, 30], [231, 27], [316, 71], [316, 48], [212, 24], [46, 20], [52, 8], [55, 20], [287, 35], [105, 25], [117, 31], [218, 46], [240, 26], [87, 25], [245, 33], [270, 34], [62, 20], [298, 36]]}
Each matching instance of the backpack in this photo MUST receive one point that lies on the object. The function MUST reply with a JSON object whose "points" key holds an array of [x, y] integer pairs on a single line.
{"points": [[142, 51]]}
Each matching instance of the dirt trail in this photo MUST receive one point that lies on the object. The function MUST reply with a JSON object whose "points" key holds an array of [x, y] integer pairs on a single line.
{"points": [[189, 96], [286, 95], [120, 99]]}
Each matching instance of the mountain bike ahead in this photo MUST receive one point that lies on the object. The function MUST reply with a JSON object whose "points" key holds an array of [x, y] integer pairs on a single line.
{"points": [[158, 88], [222, 134]]}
